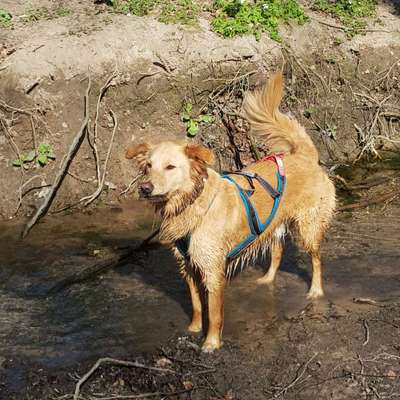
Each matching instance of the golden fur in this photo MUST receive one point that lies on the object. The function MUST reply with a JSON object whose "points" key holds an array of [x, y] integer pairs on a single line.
{"points": [[194, 200]]}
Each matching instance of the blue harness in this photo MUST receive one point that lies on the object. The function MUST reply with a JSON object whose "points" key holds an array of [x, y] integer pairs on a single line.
{"points": [[256, 226]]}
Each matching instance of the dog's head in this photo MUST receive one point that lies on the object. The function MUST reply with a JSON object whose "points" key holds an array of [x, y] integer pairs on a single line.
{"points": [[172, 171]]}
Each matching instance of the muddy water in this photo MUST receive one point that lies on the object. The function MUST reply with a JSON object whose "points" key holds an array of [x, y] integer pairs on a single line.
{"points": [[139, 306]]}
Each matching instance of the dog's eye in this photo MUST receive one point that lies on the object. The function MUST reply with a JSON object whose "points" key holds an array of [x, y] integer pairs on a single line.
{"points": [[148, 165], [170, 166]]}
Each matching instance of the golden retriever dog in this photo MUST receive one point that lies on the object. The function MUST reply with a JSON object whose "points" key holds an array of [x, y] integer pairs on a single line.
{"points": [[196, 202]]}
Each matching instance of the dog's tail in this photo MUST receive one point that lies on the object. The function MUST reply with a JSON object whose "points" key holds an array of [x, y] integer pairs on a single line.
{"points": [[281, 133]]}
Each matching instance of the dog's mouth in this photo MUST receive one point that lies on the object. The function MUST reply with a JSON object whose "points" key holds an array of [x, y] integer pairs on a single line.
{"points": [[157, 198]]}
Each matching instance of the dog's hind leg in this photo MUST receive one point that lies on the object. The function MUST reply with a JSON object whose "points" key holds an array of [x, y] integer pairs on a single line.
{"points": [[196, 324], [276, 256]]}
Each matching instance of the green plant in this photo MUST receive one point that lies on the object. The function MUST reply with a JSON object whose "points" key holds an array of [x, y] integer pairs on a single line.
{"points": [[63, 12], [5, 18], [193, 124], [237, 17], [349, 12], [179, 11], [42, 155], [134, 7]]}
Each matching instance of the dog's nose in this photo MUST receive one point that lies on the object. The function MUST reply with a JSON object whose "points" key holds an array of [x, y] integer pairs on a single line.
{"points": [[146, 188]]}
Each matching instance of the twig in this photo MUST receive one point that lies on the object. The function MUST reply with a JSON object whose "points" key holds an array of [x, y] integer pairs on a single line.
{"points": [[13, 145], [365, 300], [293, 383], [96, 193], [99, 267], [343, 28], [387, 197], [108, 360], [366, 327], [74, 147], [132, 182], [93, 144], [21, 195], [33, 135], [145, 395]]}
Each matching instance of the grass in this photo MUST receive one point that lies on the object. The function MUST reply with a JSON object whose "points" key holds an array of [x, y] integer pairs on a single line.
{"points": [[134, 7], [5, 18], [179, 12], [230, 18], [254, 17], [351, 13], [43, 13], [170, 12]]}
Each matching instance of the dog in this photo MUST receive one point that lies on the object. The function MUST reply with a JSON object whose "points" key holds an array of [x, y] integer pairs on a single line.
{"points": [[196, 202]]}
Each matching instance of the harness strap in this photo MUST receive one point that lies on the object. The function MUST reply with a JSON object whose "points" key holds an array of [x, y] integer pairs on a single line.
{"points": [[252, 216], [256, 227]]}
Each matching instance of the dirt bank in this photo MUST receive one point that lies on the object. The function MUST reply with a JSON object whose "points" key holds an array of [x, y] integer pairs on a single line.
{"points": [[345, 91]]}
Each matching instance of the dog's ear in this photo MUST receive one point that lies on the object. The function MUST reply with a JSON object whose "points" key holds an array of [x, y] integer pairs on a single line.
{"points": [[199, 153], [137, 150]]}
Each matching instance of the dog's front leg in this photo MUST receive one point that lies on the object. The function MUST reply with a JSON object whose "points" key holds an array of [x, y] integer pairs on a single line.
{"points": [[215, 317], [197, 322]]}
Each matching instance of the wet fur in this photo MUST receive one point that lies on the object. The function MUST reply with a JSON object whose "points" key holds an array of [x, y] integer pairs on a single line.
{"points": [[210, 210]]}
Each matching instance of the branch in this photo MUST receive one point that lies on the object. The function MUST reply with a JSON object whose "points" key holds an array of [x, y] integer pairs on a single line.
{"points": [[107, 360], [74, 147], [386, 197], [99, 267]]}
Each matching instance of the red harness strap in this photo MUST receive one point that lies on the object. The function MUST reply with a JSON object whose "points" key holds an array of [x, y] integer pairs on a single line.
{"points": [[278, 159]]}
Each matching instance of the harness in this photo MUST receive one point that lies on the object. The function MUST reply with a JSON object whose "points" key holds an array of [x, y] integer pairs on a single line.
{"points": [[256, 226]]}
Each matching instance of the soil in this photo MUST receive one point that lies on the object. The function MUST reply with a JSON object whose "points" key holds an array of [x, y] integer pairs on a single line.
{"points": [[277, 344]]}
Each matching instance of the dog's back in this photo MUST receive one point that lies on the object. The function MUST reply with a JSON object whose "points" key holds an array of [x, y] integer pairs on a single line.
{"points": [[309, 189]]}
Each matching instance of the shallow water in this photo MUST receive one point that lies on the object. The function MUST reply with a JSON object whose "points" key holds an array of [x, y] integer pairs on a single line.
{"points": [[137, 307]]}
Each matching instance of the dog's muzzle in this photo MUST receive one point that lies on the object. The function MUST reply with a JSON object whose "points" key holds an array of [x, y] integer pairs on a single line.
{"points": [[146, 189]]}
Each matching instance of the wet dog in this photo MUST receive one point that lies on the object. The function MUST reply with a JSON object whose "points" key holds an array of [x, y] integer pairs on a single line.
{"points": [[195, 202]]}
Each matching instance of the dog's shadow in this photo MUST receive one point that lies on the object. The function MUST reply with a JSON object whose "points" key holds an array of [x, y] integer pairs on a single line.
{"points": [[157, 268]]}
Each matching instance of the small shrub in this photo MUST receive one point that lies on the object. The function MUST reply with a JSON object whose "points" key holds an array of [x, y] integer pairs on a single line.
{"points": [[193, 124], [42, 155], [239, 17], [5, 18]]}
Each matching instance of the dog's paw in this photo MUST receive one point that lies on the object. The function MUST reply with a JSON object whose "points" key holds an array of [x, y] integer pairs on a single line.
{"points": [[195, 328], [210, 345], [265, 280], [315, 293]]}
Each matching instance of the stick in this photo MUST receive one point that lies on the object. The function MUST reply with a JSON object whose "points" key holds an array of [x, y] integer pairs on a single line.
{"points": [[108, 360], [291, 384], [74, 147], [144, 395], [99, 267], [368, 184], [366, 327], [388, 196], [365, 300], [343, 28]]}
